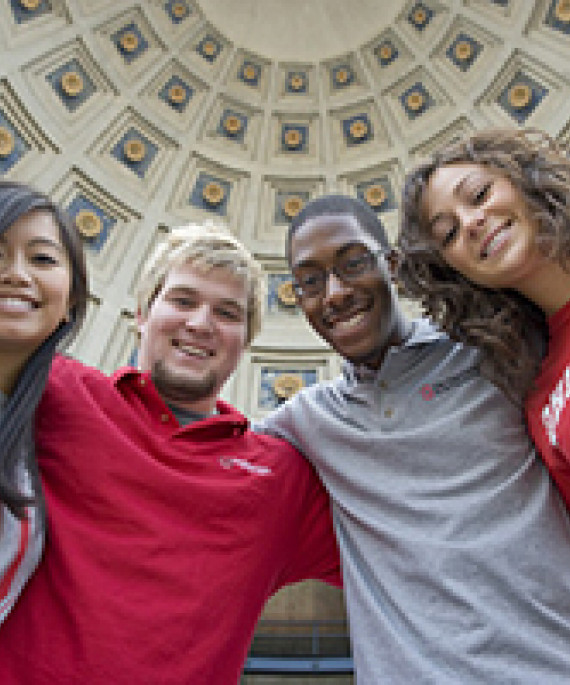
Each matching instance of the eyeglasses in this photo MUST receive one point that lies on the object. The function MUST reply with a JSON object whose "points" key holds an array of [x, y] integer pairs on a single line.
{"points": [[310, 281]]}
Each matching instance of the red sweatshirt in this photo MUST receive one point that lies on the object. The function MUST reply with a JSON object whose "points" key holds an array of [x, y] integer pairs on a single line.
{"points": [[548, 406]]}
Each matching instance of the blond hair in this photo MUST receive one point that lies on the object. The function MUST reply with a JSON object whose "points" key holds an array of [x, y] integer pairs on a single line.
{"points": [[207, 246]]}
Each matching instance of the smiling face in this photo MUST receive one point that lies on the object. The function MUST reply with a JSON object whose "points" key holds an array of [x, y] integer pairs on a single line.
{"points": [[194, 334], [35, 283], [359, 318], [482, 225]]}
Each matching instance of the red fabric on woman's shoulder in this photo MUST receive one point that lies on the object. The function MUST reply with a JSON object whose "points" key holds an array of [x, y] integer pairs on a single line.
{"points": [[548, 405]]}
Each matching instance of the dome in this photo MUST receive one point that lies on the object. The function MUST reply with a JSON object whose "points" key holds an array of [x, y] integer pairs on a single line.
{"points": [[138, 116], [299, 29]]}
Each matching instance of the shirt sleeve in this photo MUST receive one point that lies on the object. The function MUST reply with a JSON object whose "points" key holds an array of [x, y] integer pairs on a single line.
{"points": [[314, 551], [279, 423], [312, 547]]}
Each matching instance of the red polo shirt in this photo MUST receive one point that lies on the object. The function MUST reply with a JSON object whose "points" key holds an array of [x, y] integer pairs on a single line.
{"points": [[163, 542]]}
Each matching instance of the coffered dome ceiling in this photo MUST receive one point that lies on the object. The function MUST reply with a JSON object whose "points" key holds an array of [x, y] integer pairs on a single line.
{"points": [[300, 29], [138, 116]]}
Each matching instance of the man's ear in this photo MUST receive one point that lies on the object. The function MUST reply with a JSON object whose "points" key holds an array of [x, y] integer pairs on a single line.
{"points": [[393, 258], [141, 321]]}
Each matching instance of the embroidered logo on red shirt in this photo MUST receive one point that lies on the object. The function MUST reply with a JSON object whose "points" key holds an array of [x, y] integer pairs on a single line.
{"points": [[231, 462]]}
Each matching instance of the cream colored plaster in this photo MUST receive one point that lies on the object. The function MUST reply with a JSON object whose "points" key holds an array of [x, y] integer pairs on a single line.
{"points": [[300, 29]]}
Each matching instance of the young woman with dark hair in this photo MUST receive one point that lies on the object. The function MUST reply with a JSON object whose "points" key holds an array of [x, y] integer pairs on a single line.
{"points": [[43, 294], [485, 242]]}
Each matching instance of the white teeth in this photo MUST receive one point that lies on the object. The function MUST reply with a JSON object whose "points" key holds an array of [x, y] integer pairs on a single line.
{"points": [[194, 351], [15, 304], [349, 323], [495, 240]]}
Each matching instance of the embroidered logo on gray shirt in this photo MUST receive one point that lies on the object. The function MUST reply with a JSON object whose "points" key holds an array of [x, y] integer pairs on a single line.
{"points": [[431, 390]]}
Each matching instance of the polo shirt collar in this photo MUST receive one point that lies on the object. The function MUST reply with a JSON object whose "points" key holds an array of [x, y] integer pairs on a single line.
{"points": [[423, 332], [130, 376]]}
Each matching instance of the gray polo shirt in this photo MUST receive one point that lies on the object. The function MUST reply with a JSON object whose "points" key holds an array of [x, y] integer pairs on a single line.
{"points": [[455, 544]]}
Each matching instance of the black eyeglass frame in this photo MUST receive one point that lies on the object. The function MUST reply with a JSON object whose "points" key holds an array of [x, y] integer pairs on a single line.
{"points": [[345, 278]]}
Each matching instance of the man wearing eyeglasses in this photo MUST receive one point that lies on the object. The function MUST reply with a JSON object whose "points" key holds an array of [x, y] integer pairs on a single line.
{"points": [[455, 544]]}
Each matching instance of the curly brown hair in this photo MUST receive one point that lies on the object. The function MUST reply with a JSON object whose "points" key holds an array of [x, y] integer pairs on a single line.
{"points": [[509, 329]]}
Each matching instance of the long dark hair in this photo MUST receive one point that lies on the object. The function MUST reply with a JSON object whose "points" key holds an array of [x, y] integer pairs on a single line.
{"points": [[17, 199], [510, 330]]}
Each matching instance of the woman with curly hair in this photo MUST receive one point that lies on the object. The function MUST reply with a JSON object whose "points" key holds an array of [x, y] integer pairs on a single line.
{"points": [[485, 242], [43, 294]]}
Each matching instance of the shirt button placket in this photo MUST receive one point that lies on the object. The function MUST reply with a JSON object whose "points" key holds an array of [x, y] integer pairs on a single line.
{"points": [[388, 411]]}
